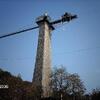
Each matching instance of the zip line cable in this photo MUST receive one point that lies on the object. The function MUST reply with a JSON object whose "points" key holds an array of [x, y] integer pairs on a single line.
{"points": [[17, 32], [78, 50], [61, 53], [65, 18]]}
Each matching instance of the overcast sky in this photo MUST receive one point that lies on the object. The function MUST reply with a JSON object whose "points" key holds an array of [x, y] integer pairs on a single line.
{"points": [[75, 45]]}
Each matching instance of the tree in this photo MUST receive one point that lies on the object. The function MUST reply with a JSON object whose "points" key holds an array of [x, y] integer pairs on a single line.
{"points": [[76, 85], [59, 81], [66, 84], [17, 88], [95, 94]]}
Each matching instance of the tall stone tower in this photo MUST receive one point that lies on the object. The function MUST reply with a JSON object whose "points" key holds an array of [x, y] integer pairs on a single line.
{"points": [[42, 71]]}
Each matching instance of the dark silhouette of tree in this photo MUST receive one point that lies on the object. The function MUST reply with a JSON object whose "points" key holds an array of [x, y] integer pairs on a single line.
{"points": [[65, 84], [95, 94], [17, 88], [76, 85]]}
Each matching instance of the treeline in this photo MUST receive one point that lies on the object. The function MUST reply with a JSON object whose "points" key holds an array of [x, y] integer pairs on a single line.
{"points": [[65, 86], [17, 88]]}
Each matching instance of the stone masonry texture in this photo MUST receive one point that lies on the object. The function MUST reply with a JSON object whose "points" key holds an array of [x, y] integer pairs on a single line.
{"points": [[42, 71]]}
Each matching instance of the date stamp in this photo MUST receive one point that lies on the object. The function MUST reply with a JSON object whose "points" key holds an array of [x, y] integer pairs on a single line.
{"points": [[4, 86]]}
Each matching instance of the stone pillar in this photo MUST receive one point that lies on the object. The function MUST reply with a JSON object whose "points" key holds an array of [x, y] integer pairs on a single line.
{"points": [[42, 71]]}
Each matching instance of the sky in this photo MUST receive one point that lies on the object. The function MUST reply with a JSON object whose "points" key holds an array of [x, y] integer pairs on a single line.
{"points": [[75, 45]]}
